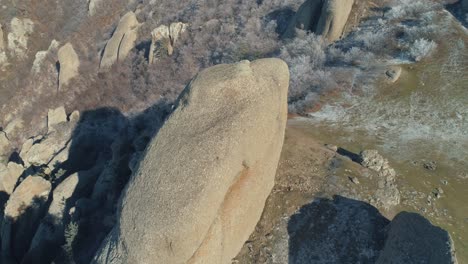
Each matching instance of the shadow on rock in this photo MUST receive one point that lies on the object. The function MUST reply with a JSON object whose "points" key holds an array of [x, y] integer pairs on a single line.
{"points": [[344, 230], [80, 208]]}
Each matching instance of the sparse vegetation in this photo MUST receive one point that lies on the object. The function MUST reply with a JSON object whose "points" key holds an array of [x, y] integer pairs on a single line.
{"points": [[71, 231], [422, 48]]}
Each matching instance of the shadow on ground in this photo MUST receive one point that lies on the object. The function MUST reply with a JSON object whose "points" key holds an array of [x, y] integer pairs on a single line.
{"points": [[344, 230]]}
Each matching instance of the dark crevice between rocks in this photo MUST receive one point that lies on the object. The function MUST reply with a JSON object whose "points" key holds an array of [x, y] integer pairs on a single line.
{"points": [[103, 143]]}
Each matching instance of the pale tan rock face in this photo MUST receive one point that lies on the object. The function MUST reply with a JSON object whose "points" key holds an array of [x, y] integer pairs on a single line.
{"points": [[69, 64], [164, 38], [127, 44], [202, 185], [4, 145], [93, 6], [9, 177], [40, 56], [127, 24], [18, 38], [333, 19], [31, 188], [2, 41], [160, 37], [3, 57], [55, 117], [22, 213], [327, 18]]}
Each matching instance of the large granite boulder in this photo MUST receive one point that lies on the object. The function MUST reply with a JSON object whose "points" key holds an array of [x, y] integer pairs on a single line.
{"points": [[114, 51], [327, 18], [69, 64], [202, 185]]}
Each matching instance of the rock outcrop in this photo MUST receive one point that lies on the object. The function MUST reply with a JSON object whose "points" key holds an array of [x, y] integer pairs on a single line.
{"points": [[41, 56], [21, 28], [22, 214], [3, 56], [327, 18], [163, 40], [69, 64], [122, 41], [387, 194], [50, 233], [54, 148], [55, 117], [202, 185], [333, 18], [10, 176], [393, 74], [93, 6], [5, 146]]}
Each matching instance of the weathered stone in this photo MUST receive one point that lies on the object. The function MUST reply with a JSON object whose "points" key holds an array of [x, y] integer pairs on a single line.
{"points": [[164, 38], [27, 146], [69, 64], [22, 215], [393, 74], [202, 185], [306, 18], [5, 147], [128, 43], [413, 239], [56, 116], [175, 30], [127, 23], [9, 177], [51, 230], [41, 56], [372, 159], [3, 56], [327, 18], [74, 117], [333, 18], [387, 195], [2, 41], [14, 127], [160, 40], [43, 152], [93, 6], [18, 37]]}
